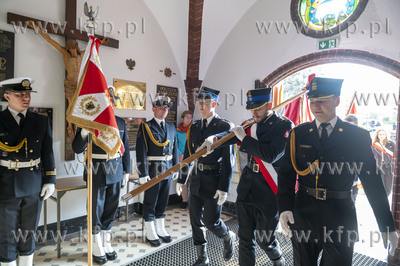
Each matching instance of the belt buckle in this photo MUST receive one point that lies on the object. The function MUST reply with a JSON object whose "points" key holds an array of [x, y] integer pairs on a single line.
{"points": [[317, 193], [200, 166], [11, 167], [256, 168]]}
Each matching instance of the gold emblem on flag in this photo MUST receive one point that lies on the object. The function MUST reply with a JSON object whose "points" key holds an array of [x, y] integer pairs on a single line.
{"points": [[89, 106], [106, 136]]}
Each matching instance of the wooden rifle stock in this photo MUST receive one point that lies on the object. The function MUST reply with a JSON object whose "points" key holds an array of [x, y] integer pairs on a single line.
{"points": [[194, 156]]}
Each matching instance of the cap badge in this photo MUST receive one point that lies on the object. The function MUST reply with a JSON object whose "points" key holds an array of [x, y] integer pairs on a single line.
{"points": [[25, 83]]}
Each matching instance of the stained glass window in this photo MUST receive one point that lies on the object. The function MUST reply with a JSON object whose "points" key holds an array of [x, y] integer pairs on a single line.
{"points": [[326, 14], [324, 18]]}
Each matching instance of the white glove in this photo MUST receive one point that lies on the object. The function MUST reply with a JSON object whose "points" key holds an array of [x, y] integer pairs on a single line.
{"points": [[393, 241], [175, 176], [207, 144], [84, 133], [286, 216], [47, 190], [239, 132], [125, 180], [222, 195], [179, 188], [144, 179]]}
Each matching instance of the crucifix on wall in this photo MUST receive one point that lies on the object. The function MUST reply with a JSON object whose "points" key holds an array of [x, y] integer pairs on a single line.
{"points": [[71, 54]]}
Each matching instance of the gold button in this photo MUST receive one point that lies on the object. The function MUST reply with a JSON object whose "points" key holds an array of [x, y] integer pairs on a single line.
{"points": [[31, 151], [31, 168], [6, 143], [37, 140], [17, 151]]}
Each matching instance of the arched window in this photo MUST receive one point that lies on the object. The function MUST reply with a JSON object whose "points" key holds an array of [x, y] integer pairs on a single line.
{"points": [[324, 18]]}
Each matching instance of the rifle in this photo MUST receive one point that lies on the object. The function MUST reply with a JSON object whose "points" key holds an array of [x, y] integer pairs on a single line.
{"points": [[194, 156]]}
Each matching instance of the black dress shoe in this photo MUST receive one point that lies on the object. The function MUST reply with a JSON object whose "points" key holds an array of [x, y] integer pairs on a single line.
{"points": [[100, 259], [155, 242], [166, 239], [229, 245], [111, 255]]}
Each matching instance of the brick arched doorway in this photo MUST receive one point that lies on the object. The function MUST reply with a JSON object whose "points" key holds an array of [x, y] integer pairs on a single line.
{"points": [[357, 57]]}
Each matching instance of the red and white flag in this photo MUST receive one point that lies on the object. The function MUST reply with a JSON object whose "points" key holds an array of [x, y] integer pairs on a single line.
{"points": [[91, 106]]}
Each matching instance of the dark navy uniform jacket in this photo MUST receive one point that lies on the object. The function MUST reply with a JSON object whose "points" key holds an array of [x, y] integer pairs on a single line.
{"points": [[106, 172], [272, 134], [155, 143], [37, 131], [206, 183], [349, 147]]}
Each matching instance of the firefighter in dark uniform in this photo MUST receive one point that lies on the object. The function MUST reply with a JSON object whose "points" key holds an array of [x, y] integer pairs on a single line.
{"points": [[327, 154], [110, 173], [156, 151], [264, 142], [210, 181], [27, 171]]}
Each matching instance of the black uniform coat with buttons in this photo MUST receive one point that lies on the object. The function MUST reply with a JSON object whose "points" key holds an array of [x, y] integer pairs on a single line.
{"points": [[37, 131], [206, 183], [348, 146], [145, 146], [272, 135], [106, 171]]}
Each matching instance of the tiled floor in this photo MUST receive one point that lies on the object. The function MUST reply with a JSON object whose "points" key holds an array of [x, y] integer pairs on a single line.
{"points": [[127, 239]]}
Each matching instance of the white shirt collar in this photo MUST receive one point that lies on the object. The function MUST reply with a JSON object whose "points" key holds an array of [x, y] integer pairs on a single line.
{"points": [[332, 122], [209, 119], [15, 113], [159, 121]]}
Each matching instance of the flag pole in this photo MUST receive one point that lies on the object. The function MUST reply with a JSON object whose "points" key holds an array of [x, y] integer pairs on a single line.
{"points": [[191, 158], [91, 29], [89, 198]]}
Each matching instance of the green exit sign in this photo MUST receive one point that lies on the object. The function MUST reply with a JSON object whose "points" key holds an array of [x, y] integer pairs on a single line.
{"points": [[327, 44]]}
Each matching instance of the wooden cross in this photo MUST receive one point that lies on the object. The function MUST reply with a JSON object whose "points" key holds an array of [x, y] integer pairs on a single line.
{"points": [[70, 32]]}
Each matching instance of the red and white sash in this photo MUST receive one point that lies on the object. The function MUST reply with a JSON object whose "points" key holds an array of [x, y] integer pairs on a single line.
{"points": [[383, 149], [267, 170]]}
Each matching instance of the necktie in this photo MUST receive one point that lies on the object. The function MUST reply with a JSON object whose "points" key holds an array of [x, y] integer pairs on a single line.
{"points": [[22, 120], [203, 129], [162, 126], [324, 133]]}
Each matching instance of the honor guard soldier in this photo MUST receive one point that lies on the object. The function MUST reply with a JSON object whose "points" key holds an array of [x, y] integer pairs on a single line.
{"points": [[110, 174], [326, 155], [27, 171], [264, 142], [210, 181], [156, 151]]}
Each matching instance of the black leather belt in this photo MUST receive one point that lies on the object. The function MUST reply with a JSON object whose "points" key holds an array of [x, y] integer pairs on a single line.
{"points": [[207, 167], [324, 194], [253, 166]]}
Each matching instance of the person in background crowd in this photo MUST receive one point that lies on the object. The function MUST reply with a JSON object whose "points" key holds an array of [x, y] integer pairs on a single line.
{"points": [[187, 118], [383, 150], [27, 172], [353, 120]]}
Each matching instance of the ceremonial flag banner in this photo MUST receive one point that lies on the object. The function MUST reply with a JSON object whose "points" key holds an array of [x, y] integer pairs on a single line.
{"points": [[91, 106]]}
